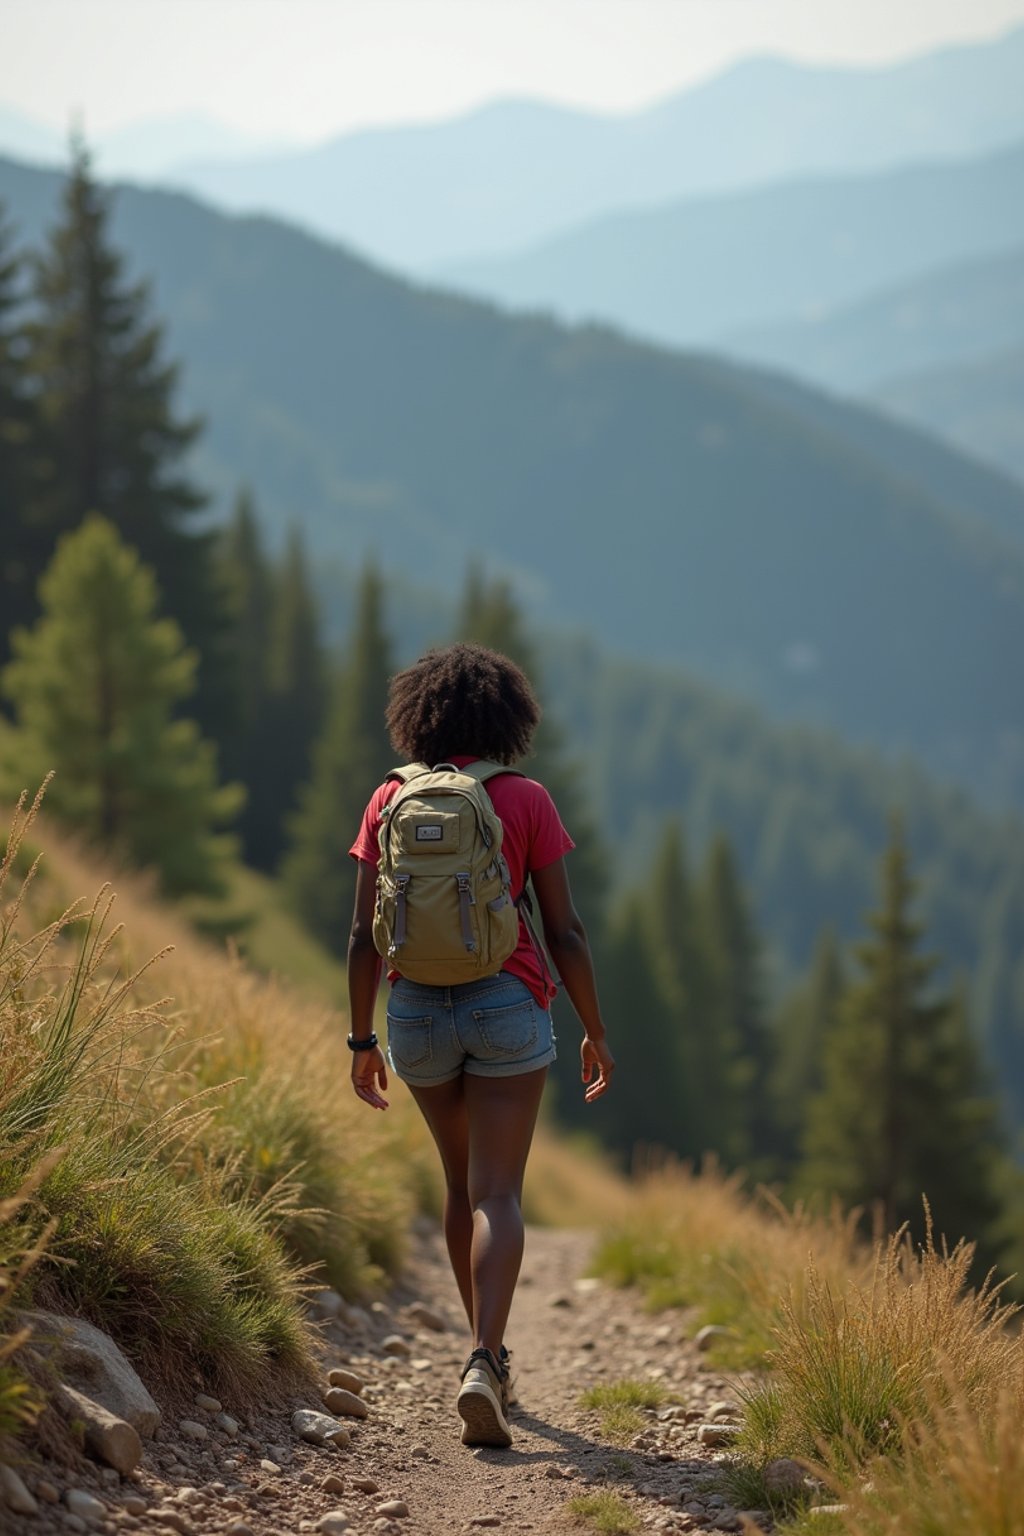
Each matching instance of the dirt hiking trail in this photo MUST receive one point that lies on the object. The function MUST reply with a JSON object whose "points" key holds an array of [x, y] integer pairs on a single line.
{"points": [[405, 1472]]}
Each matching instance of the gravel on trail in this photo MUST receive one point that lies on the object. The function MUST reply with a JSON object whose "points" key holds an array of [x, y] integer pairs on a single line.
{"points": [[401, 1470]]}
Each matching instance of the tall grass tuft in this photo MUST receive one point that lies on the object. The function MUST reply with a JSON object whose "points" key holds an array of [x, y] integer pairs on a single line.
{"points": [[23, 1240]]}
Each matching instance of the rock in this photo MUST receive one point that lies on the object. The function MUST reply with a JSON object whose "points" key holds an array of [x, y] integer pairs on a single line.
{"points": [[393, 1509], [83, 1505], [356, 1317], [334, 1523], [271, 1468], [15, 1495], [47, 1493], [89, 1361], [365, 1484], [394, 1344], [332, 1483], [552, 1471], [192, 1430], [339, 1377], [484, 1520], [229, 1425], [427, 1317], [318, 1428], [717, 1434], [208, 1404], [133, 1505], [281, 1453], [108, 1437], [421, 1452], [561, 1301], [341, 1402], [784, 1475], [710, 1334], [828, 1509], [586, 1285], [327, 1304], [721, 1410], [174, 1519], [422, 1365], [75, 1522]]}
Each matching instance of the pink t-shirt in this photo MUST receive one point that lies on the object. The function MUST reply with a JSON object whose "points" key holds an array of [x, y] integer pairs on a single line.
{"points": [[532, 837]]}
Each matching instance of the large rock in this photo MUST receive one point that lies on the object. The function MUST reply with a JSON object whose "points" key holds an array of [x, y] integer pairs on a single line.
{"points": [[108, 1437], [14, 1493], [89, 1361]]}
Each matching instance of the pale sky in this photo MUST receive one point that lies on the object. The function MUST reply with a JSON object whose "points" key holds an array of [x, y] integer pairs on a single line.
{"points": [[304, 69]]}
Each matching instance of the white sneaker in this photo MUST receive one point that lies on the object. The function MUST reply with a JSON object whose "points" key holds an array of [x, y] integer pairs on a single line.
{"points": [[481, 1401]]}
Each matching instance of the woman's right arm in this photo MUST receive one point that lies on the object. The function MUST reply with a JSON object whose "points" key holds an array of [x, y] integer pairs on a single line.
{"points": [[566, 939]]}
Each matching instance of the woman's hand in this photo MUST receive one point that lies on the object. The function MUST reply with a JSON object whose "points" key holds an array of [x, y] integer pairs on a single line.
{"points": [[595, 1054], [368, 1072]]}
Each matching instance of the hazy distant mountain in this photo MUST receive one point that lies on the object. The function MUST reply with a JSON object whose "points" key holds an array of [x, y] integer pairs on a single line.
{"points": [[776, 541], [961, 313], [697, 270], [977, 405], [516, 173], [149, 148], [25, 139]]}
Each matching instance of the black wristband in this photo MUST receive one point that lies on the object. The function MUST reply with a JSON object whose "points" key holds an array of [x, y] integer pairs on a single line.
{"points": [[362, 1045]]}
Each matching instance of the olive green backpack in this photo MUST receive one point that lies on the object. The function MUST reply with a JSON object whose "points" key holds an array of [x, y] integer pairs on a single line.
{"points": [[444, 912]]}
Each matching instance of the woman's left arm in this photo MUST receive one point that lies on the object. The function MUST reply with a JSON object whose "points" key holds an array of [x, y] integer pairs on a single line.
{"points": [[369, 1070]]}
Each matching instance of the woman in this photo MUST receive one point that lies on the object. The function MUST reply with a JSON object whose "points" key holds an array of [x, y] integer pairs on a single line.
{"points": [[475, 1056]]}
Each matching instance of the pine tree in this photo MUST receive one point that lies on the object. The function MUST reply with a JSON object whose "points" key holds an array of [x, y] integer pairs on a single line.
{"points": [[297, 682], [489, 615], [109, 439], [350, 759], [19, 559], [738, 1051], [802, 1027], [94, 685], [901, 1112]]}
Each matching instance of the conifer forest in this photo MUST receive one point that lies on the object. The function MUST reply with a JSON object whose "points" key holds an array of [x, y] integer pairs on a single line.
{"points": [[246, 474]]}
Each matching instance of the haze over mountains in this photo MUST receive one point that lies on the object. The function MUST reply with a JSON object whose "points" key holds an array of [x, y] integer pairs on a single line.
{"points": [[820, 560], [516, 173]]}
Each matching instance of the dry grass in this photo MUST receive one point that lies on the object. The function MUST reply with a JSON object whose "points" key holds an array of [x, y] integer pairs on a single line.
{"points": [[618, 1405], [702, 1242], [605, 1513]]}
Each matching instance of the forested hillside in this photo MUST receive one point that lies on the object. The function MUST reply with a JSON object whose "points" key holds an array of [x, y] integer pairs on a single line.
{"points": [[765, 537], [977, 406]]}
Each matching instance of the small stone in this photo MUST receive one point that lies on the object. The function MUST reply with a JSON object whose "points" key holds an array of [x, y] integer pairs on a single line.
{"points": [[193, 1431], [561, 1301], [718, 1434], [271, 1468], [393, 1509], [109, 1438], [723, 1409], [422, 1365], [49, 1494], [484, 1520], [710, 1334], [175, 1519], [586, 1285], [427, 1317], [421, 1452], [133, 1505], [84, 1506], [339, 1377], [332, 1483], [229, 1425], [356, 1317], [15, 1495], [365, 1484], [327, 1304], [334, 1523], [341, 1402], [552, 1471], [318, 1428], [394, 1344], [784, 1475], [208, 1404], [75, 1522]]}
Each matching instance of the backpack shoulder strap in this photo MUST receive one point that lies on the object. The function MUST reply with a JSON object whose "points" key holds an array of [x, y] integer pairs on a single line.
{"points": [[406, 771], [482, 770]]}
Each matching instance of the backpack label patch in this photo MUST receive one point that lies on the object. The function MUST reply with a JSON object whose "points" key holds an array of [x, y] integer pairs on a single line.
{"points": [[429, 832]]}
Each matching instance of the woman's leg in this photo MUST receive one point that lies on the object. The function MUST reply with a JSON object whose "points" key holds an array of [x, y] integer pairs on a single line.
{"points": [[501, 1113], [444, 1109]]}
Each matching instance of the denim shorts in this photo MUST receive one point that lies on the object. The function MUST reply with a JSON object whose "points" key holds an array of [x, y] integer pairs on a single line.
{"points": [[492, 1028]]}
